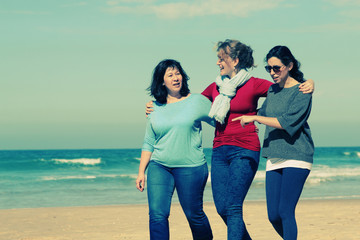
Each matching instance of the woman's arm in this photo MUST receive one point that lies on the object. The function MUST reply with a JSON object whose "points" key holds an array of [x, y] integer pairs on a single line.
{"points": [[268, 121], [291, 121], [144, 162], [147, 150], [307, 87]]}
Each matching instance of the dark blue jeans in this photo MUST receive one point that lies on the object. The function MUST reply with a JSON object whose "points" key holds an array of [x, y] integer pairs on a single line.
{"points": [[189, 183], [232, 172], [283, 190]]}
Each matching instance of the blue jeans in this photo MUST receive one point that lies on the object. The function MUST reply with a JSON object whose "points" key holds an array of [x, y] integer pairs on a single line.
{"points": [[232, 172], [189, 183], [283, 190]]}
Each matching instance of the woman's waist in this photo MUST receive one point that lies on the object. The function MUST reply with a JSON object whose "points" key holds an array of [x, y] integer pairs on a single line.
{"points": [[235, 128], [179, 156], [248, 141]]}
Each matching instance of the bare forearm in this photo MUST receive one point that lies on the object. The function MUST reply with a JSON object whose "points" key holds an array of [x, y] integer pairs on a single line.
{"points": [[144, 161], [268, 121]]}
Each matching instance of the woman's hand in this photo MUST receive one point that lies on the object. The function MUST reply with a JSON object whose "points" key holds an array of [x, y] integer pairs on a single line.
{"points": [[149, 107], [245, 119], [140, 182], [307, 87]]}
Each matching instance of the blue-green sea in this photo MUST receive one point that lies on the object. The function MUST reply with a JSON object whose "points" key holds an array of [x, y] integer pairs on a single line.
{"points": [[54, 178]]}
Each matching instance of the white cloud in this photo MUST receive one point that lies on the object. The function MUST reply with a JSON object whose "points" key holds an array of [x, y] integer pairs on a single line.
{"points": [[185, 9], [343, 3]]}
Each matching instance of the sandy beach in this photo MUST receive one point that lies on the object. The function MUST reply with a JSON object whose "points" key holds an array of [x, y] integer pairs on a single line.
{"points": [[317, 219]]}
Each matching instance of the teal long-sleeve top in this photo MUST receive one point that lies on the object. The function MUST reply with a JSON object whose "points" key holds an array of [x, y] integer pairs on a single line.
{"points": [[173, 132]]}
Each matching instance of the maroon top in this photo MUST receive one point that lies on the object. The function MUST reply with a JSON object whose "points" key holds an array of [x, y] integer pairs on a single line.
{"points": [[243, 103]]}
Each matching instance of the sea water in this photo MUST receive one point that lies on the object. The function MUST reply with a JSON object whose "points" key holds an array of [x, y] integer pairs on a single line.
{"points": [[54, 178]]}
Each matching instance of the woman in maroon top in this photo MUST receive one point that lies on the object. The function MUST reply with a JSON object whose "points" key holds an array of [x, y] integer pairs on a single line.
{"points": [[236, 150]]}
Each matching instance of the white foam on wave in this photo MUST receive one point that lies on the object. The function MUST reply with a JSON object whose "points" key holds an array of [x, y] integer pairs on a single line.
{"points": [[354, 154], [325, 171], [52, 178], [55, 178], [327, 174], [83, 161]]}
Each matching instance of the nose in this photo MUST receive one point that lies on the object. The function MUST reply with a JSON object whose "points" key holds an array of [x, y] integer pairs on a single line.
{"points": [[176, 78]]}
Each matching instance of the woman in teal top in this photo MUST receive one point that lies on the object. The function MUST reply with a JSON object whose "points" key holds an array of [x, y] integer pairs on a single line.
{"points": [[172, 152]]}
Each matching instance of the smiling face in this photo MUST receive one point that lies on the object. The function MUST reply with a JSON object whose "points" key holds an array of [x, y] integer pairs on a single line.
{"points": [[173, 80], [280, 77], [226, 64]]}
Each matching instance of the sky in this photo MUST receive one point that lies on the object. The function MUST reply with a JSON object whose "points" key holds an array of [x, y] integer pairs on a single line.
{"points": [[73, 74]]}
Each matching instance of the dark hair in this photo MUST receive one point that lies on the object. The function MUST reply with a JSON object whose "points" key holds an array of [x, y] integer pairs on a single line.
{"points": [[236, 49], [157, 89], [284, 54]]}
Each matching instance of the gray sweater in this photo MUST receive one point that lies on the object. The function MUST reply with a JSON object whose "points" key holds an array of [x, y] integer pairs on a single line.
{"points": [[292, 109]]}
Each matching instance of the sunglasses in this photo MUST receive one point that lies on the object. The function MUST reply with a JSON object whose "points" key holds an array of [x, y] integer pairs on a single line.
{"points": [[275, 68]]}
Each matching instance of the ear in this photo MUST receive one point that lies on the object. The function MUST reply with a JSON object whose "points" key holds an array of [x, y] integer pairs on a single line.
{"points": [[236, 62], [291, 65]]}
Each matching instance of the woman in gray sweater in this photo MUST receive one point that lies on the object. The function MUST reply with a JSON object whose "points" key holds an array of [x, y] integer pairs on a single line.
{"points": [[288, 145]]}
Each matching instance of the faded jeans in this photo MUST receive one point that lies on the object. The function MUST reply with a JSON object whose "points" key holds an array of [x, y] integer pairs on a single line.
{"points": [[189, 183]]}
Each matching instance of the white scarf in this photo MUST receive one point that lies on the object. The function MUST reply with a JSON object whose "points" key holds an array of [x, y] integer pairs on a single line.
{"points": [[227, 90]]}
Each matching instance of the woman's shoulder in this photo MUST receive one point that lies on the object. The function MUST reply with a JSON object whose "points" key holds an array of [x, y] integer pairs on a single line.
{"points": [[293, 91], [158, 104], [260, 81], [299, 94], [199, 97], [256, 86], [199, 100]]}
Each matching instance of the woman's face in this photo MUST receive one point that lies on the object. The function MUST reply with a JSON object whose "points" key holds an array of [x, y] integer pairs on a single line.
{"points": [[278, 71], [172, 80], [226, 64]]}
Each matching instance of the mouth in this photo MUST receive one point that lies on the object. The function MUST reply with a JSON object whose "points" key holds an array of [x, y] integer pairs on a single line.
{"points": [[176, 84], [275, 78], [221, 69]]}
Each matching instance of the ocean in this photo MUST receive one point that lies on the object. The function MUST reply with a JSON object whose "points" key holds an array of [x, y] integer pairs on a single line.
{"points": [[90, 177]]}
